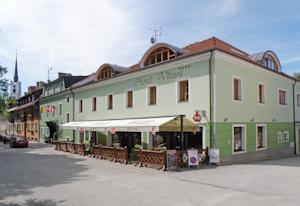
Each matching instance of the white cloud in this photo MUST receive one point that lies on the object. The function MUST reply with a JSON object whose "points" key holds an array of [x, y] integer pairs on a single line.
{"points": [[291, 60]]}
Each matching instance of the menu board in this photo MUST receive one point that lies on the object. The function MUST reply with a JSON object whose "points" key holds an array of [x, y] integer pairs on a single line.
{"points": [[171, 160], [193, 158]]}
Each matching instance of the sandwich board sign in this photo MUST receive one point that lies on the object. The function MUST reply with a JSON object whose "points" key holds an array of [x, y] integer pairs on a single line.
{"points": [[214, 156], [193, 158], [171, 160]]}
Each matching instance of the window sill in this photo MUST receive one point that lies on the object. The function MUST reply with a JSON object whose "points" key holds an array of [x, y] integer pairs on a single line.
{"points": [[183, 102], [261, 149], [240, 152]]}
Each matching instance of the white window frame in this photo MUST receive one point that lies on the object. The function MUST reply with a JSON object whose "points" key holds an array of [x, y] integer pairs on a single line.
{"points": [[81, 106], [60, 109], [241, 89], [265, 137], [93, 103], [126, 98], [280, 136], [286, 97], [244, 132], [264, 93], [67, 113], [288, 136], [148, 95], [177, 91], [298, 100], [113, 102]]}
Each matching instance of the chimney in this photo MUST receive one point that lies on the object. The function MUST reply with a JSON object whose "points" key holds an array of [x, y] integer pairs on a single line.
{"points": [[31, 89], [39, 84]]}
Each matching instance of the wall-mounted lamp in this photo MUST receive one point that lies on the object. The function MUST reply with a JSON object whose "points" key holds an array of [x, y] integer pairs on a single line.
{"points": [[274, 120], [225, 119], [252, 120]]}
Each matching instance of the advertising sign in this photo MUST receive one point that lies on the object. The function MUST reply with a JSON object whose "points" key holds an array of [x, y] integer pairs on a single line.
{"points": [[171, 160], [193, 159], [214, 156]]}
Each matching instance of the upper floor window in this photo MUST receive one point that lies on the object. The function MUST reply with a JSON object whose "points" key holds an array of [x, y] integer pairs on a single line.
{"points": [[94, 104], [80, 105], [152, 95], [159, 55], [270, 63], [68, 99], [60, 109], [110, 102], [183, 91], [237, 89], [129, 99], [298, 100], [67, 117], [261, 93], [282, 97]]}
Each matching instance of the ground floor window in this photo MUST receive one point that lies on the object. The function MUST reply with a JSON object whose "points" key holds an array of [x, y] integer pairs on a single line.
{"points": [[285, 136], [239, 138], [172, 140], [261, 136]]}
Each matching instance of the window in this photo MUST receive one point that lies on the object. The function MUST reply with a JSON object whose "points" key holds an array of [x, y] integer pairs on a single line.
{"points": [[152, 95], [237, 89], [48, 108], [261, 93], [67, 117], [298, 100], [282, 97], [279, 136], [183, 91], [94, 104], [110, 101], [129, 99], [53, 110], [239, 139], [60, 109], [261, 137], [80, 105], [159, 55], [270, 63], [68, 99], [285, 136]]}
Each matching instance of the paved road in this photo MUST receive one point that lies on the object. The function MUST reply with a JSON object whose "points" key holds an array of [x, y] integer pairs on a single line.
{"points": [[41, 176]]}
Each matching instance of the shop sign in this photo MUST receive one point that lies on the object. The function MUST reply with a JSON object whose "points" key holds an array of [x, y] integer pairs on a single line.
{"points": [[193, 159], [113, 130], [214, 156], [171, 160], [197, 117]]}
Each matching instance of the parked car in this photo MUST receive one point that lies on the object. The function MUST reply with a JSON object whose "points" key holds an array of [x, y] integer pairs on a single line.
{"points": [[6, 138], [18, 142]]}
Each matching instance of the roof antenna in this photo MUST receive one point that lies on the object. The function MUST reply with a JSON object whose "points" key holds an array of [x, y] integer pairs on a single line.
{"points": [[49, 69], [157, 33]]}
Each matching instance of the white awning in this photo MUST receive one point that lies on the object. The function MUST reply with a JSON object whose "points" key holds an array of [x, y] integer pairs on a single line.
{"points": [[129, 125]]}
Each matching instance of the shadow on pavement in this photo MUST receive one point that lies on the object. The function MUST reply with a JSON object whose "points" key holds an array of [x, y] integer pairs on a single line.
{"points": [[288, 162], [33, 202], [22, 170]]}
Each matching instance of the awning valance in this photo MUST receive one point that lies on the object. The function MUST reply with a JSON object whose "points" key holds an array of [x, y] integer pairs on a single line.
{"points": [[156, 124]]}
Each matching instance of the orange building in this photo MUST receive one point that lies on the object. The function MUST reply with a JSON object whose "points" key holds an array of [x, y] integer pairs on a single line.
{"points": [[24, 117]]}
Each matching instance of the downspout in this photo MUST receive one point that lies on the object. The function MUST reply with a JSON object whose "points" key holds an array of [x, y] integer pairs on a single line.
{"points": [[73, 112], [211, 136], [294, 117]]}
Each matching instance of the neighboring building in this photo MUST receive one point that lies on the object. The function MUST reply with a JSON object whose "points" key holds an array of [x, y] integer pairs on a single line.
{"points": [[24, 117], [227, 99], [56, 106], [15, 90]]}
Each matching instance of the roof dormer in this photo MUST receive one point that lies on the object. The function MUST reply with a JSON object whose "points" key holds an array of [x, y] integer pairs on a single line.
{"points": [[267, 59], [106, 71], [158, 53]]}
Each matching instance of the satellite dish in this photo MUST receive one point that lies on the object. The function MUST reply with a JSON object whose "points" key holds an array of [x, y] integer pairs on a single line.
{"points": [[152, 40]]}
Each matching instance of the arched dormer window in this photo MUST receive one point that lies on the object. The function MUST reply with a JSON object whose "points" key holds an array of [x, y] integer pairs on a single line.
{"points": [[158, 53], [107, 71], [271, 61]]}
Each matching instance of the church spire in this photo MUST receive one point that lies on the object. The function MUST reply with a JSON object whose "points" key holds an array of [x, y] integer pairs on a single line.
{"points": [[16, 77]]}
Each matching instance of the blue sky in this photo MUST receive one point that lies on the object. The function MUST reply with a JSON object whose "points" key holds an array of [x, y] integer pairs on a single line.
{"points": [[78, 36]]}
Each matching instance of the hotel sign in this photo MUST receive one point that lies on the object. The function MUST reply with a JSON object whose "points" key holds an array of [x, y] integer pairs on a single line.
{"points": [[160, 76]]}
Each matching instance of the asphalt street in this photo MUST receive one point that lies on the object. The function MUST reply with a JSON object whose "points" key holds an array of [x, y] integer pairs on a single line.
{"points": [[41, 176]]}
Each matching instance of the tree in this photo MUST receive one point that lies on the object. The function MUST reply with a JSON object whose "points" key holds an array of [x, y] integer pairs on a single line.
{"points": [[297, 76], [3, 90]]}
